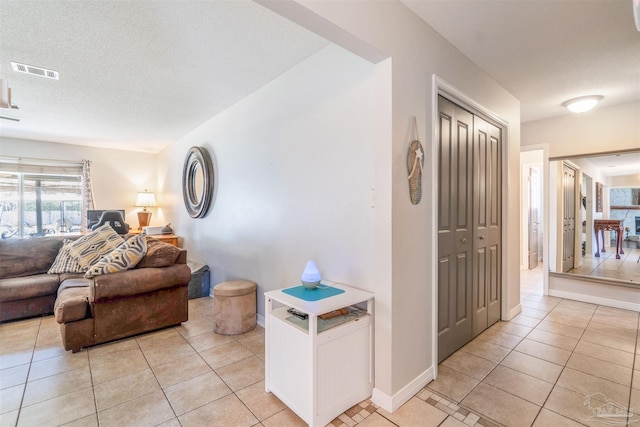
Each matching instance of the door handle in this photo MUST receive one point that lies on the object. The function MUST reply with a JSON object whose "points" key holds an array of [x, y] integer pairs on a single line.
{"points": [[481, 237], [463, 240]]}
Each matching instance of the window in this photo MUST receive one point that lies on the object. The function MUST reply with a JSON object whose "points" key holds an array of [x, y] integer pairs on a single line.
{"points": [[34, 204]]}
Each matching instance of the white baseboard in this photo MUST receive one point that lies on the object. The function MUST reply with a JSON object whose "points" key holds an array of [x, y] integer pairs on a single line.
{"points": [[515, 311], [625, 305], [391, 403], [260, 320]]}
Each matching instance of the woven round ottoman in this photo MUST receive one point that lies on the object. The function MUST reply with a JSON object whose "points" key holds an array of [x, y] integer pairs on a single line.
{"points": [[234, 307]]}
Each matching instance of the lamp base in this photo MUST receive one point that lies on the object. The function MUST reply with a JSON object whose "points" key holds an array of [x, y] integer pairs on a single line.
{"points": [[143, 219]]}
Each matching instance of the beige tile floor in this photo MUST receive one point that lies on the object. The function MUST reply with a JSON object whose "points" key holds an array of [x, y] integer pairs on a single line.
{"points": [[536, 370], [607, 266]]}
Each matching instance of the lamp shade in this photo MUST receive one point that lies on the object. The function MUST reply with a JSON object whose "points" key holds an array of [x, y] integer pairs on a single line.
{"points": [[145, 199]]}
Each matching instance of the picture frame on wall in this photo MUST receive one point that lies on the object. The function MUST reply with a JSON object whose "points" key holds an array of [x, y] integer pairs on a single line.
{"points": [[598, 197]]}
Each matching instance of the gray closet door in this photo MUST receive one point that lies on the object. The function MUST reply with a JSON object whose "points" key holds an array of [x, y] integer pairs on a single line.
{"points": [[455, 140], [469, 226], [487, 215]]}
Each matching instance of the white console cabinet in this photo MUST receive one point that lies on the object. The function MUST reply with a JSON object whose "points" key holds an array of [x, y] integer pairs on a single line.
{"points": [[319, 375]]}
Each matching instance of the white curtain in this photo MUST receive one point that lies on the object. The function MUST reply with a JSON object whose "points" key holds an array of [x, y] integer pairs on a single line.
{"points": [[87, 193]]}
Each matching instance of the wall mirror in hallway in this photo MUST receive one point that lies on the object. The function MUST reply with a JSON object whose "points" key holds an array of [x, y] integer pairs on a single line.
{"points": [[582, 240]]}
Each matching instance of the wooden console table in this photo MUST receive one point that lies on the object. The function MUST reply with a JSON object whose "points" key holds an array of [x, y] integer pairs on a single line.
{"points": [[171, 239], [602, 225]]}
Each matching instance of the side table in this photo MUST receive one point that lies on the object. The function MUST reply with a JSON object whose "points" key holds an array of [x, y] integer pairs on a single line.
{"points": [[602, 225], [319, 374]]}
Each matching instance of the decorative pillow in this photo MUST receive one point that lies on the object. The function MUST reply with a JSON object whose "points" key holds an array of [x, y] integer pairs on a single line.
{"points": [[91, 248], [124, 257], [65, 263], [159, 254]]}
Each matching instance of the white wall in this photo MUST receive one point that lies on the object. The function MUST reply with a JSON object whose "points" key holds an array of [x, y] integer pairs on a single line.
{"points": [[405, 322], [116, 175], [295, 165], [600, 130], [624, 181]]}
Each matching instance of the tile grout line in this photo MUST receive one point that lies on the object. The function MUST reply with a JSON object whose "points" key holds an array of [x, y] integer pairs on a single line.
{"points": [[459, 403], [633, 371], [26, 380], [555, 384], [154, 377], [524, 337], [93, 390], [221, 379]]}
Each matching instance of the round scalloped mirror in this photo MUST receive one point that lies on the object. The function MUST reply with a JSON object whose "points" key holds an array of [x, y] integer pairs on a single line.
{"points": [[197, 182]]}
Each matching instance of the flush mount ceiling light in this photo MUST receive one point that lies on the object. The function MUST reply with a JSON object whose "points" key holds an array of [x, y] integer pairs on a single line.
{"points": [[582, 104]]}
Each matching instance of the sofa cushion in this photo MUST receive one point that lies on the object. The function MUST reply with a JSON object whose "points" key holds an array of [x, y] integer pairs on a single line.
{"points": [[159, 254], [17, 288], [67, 276], [72, 304], [24, 257], [122, 258], [77, 282]]}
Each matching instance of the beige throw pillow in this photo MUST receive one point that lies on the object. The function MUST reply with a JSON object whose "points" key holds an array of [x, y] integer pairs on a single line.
{"points": [[77, 256], [122, 258], [91, 248], [64, 263]]}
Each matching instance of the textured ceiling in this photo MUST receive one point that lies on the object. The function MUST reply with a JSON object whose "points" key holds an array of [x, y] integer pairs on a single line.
{"points": [[545, 51], [616, 164], [139, 74]]}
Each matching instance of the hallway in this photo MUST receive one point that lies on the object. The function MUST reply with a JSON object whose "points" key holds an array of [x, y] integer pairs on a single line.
{"points": [[554, 364]]}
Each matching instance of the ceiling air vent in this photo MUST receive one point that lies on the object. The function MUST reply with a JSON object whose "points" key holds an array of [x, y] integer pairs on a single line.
{"points": [[36, 71]]}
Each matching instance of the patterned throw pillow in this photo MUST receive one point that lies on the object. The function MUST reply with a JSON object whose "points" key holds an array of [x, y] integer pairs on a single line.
{"points": [[91, 248], [124, 257], [64, 262]]}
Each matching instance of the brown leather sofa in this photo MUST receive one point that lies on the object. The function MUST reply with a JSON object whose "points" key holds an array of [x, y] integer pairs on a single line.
{"points": [[153, 295]]}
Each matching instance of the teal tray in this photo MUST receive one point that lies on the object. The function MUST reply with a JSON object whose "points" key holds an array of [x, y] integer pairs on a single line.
{"points": [[321, 292]]}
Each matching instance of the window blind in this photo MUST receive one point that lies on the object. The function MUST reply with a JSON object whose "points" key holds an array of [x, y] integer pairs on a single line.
{"points": [[40, 166]]}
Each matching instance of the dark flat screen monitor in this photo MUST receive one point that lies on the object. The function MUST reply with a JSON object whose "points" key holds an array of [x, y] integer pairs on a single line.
{"points": [[93, 216]]}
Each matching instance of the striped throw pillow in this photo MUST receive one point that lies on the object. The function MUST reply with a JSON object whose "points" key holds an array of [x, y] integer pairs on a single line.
{"points": [[91, 248], [65, 263], [124, 257]]}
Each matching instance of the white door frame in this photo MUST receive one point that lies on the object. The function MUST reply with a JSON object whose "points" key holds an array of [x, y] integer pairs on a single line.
{"points": [[544, 184], [442, 87]]}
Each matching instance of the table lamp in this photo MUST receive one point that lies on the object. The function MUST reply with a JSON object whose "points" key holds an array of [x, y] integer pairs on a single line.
{"points": [[145, 200]]}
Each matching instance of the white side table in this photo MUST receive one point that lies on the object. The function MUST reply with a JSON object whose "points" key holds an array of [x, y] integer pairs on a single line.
{"points": [[318, 375]]}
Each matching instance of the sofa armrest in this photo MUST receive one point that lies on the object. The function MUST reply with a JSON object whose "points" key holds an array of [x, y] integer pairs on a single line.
{"points": [[138, 281]]}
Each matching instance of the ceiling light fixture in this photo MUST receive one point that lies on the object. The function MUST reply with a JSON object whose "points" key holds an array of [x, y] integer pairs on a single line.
{"points": [[582, 104]]}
